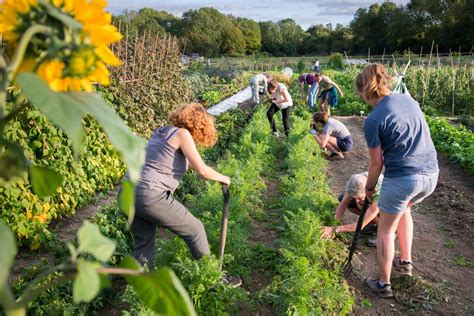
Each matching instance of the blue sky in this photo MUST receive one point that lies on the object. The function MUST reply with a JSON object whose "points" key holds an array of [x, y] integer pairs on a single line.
{"points": [[305, 12]]}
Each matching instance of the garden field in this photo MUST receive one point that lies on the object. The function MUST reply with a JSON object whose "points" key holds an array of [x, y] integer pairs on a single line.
{"points": [[66, 204]]}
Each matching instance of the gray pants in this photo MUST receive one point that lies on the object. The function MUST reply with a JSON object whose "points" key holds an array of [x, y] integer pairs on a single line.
{"points": [[159, 208]]}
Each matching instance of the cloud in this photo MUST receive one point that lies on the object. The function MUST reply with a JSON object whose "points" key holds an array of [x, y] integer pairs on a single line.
{"points": [[304, 12]]}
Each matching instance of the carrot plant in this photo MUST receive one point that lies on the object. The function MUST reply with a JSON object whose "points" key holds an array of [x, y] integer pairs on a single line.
{"points": [[308, 279]]}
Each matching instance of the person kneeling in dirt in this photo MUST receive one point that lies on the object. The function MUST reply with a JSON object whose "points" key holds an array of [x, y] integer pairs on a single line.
{"points": [[353, 199], [334, 135], [255, 83], [169, 152], [281, 100]]}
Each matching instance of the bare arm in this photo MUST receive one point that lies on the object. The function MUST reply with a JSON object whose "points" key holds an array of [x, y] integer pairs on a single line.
{"points": [[285, 95], [375, 168], [185, 142], [341, 208], [322, 139], [372, 211], [338, 89]]}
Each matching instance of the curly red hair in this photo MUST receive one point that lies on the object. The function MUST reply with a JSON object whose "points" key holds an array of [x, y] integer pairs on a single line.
{"points": [[197, 121]]}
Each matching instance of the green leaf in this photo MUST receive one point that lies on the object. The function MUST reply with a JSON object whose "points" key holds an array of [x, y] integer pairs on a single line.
{"points": [[7, 252], [126, 201], [87, 282], [93, 242], [160, 290], [12, 160], [131, 146], [58, 107], [45, 181]]}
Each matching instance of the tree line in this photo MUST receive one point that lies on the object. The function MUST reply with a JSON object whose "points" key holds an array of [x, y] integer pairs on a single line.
{"points": [[385, 27]]}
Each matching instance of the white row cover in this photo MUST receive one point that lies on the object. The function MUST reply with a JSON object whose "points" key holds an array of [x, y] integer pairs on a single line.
{"points": [[231, 102]]}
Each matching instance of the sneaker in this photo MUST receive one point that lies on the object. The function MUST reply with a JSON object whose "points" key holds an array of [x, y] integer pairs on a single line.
{"points": [[275, 134], [372, 241], [384, 291], [404, 268], [231, 281], [369, 229]]}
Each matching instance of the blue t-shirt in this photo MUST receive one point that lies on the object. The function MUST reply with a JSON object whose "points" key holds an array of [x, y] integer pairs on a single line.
{"points": [[399, 127]]}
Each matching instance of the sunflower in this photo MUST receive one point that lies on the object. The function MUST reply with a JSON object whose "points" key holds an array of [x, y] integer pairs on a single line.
{"points": [[71, 59]]}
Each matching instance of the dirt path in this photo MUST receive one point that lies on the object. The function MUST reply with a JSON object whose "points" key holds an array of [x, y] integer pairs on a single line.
{"points": [[443, 246], [263, 240]]}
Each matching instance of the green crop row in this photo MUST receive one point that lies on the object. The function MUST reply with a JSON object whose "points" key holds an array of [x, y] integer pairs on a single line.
{"points": [[244, 163], [308, 279], [456, 142]]}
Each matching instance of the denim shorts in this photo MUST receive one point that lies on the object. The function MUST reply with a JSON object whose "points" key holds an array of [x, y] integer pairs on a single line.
{"points": [[345, 144], [396, 193]]}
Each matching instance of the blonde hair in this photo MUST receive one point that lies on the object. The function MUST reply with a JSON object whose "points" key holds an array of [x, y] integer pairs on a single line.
{"points": [[373, 82], [197, 121]]}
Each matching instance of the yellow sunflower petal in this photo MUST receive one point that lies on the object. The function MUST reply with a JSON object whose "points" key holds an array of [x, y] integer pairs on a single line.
{"points": [[103, 34], [58, 3], [86, 85], [107, 56], [100, 74]]}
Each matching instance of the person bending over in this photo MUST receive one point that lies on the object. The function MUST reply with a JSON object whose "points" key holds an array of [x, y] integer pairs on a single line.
{"points": [[352, 199], [281, 100], [309, 80], [169, 153]]}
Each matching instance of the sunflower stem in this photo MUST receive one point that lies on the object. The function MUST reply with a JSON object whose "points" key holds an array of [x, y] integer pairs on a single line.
{"points": [[23, 45], [3, 84]]}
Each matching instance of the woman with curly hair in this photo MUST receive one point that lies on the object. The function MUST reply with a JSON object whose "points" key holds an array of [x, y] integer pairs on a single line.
{"points": [[169, 152]]}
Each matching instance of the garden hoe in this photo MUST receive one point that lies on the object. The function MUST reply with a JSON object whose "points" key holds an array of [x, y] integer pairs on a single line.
{"points": [[347, 268], [225, 217]]}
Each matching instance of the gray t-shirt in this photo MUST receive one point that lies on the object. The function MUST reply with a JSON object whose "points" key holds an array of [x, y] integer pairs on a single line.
{"points": [[399, 127], [335, 128], [164, 165]]}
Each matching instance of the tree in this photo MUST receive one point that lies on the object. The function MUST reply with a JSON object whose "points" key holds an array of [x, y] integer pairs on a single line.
{"points": [[292, 35], [252, 34], [272, 38]]}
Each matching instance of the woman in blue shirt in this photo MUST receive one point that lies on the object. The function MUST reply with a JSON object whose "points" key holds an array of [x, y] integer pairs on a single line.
{"points": [[399, 139]]}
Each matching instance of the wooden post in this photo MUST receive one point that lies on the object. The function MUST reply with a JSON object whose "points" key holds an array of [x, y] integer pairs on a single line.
{"points": [[421, 53], [126, 52], [348, 63], [368, 57], [427, 81], [383, 55], [454, 82]]}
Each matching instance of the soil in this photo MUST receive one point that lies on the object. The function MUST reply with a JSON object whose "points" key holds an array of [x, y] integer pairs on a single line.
{"points": [[443, 248]]}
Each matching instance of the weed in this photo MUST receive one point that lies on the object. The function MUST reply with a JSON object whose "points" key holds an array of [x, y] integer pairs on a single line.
{"points": [[462, 261], [450, 244]]}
